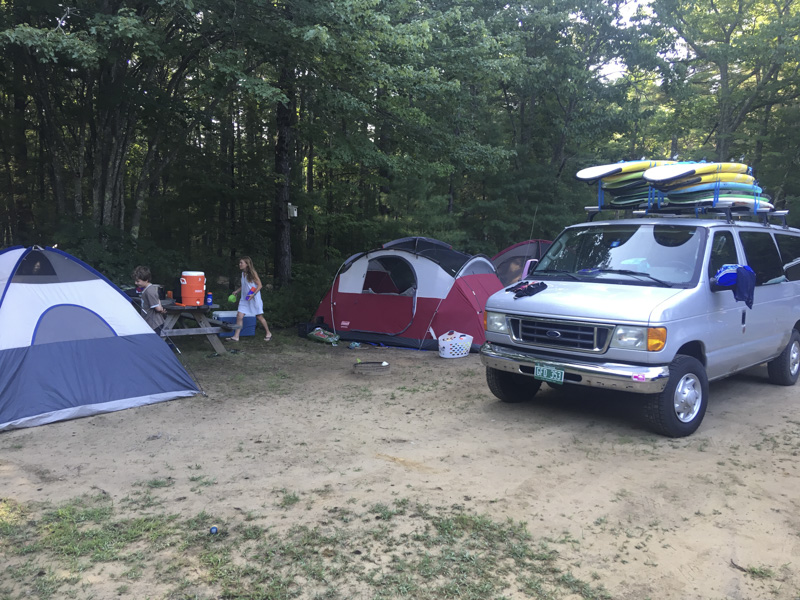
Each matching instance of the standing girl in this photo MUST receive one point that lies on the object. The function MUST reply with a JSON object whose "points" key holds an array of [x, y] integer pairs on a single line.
{"points": [[250, 303]]}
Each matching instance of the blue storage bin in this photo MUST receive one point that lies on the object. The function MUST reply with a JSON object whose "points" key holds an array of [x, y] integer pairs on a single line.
{"points": [[229, 316]]}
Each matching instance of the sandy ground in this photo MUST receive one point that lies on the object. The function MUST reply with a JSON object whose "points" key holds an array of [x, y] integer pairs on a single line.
{"points": [[654, 517]]}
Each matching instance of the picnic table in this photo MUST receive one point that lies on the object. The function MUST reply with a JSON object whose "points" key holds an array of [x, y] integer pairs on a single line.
{"points": [[175, 323]]}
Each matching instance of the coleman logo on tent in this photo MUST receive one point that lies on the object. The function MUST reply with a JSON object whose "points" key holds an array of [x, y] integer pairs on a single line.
{"points": [[344, 324]]}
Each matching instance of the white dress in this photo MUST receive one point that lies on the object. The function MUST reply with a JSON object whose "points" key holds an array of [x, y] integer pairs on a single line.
{"points": [[254, 306]]}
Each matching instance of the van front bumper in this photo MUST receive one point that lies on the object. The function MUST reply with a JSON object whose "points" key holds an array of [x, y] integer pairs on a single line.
{"points": [[641, 379]]}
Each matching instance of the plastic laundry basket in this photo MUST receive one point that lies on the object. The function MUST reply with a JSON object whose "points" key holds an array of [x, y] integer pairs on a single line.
{"points": [[454, 344]]}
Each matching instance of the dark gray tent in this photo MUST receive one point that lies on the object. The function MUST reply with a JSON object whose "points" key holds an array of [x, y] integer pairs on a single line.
{"points": [[511, 261]]}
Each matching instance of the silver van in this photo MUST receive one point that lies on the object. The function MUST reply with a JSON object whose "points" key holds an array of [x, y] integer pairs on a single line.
{"points": [[657, 305]]}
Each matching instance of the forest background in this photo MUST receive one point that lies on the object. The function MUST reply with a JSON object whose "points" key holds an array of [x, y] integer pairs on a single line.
{"points": [[178, 133]]}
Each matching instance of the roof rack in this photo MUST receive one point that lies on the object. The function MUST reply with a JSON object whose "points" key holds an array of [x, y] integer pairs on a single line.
{"points": [[728, 212]]}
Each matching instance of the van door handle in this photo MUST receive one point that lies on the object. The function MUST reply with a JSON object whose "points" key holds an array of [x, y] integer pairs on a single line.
{"points": [[744, 318]]}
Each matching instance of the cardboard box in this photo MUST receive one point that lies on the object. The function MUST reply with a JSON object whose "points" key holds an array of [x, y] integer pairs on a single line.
{"points": [[229, 316]]}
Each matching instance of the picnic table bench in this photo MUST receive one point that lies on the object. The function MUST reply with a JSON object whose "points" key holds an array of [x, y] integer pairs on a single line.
{"points": [[177, 315]]}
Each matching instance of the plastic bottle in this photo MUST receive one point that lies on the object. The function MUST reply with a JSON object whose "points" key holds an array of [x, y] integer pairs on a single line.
{"points": [[251, 293]]}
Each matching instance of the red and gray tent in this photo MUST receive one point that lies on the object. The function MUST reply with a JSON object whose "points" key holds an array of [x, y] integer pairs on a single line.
{"points": [[72, 345], [511, 261], [409, 292]]}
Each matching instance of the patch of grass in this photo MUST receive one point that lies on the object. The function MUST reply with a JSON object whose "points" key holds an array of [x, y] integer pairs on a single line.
{"points": [[160, 483], [278, 383], [288, 499], [760, 572], [201, 481], [395, 549], [139, 500]]}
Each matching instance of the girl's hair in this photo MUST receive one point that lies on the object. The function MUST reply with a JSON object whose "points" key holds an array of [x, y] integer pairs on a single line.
{"points": [[249, 270]]}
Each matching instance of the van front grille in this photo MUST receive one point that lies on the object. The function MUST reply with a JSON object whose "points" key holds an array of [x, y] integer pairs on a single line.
{"points": [[566, 335]]}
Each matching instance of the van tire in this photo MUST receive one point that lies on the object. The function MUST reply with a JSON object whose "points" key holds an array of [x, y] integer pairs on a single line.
{"points": [[511, 387], [784, 369], [680, 408]]}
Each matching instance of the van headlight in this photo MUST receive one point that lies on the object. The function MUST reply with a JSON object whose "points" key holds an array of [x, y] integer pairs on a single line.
{"points": [[651, 339], [496, 322]]}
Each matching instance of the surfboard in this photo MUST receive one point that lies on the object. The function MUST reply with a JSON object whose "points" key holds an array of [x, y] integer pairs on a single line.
{"points": [[665, 173], [688, 198], [731, 202], [748, 188], [708, 178], [630, 187], [629, 199], [592, 174], [700, 196], [622, 178]]}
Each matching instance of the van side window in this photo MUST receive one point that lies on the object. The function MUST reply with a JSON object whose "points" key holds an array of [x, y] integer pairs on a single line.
{"points": [[762, 256], [789, 246], [723, 252]]}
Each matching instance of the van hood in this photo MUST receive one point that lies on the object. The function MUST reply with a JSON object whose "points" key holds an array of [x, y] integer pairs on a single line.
{"points": [[595, 301]]}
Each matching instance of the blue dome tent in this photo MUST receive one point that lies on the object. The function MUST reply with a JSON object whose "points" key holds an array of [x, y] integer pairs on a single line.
{"points": [[72, 345]]}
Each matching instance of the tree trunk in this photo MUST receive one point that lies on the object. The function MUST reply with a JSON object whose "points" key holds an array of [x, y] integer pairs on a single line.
{"points": [[285, 117], [20, 216], [724, 124], [762, 135]]}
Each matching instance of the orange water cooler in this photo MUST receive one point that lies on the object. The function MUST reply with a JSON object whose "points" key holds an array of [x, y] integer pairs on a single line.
{"points": [[193, 288]]}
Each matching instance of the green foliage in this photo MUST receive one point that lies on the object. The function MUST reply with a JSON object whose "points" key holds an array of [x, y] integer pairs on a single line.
{"points": [[49, 46], [115, 255], [146, 132], [298, 301]]}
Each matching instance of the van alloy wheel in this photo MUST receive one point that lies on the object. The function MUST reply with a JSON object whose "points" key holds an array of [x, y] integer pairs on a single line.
{"points": [[688, 398], [679, 409]]}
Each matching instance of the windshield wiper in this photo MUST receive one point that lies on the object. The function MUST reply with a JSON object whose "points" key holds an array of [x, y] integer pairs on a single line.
{"points": [[557, 272], [631, 273]]}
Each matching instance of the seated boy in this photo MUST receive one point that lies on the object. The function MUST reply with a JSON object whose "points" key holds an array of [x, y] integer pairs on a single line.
{"points": [[151, 305]]}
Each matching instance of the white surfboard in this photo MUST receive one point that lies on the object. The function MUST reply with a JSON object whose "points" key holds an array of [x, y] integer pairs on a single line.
{"points": [[592, 174]]}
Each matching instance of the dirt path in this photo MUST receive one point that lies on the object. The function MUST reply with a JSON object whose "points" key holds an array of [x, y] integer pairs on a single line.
{"points": [[716, 515]]}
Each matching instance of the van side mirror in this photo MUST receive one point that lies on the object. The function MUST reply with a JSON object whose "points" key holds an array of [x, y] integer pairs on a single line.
{"points": [[725, 278], [529, 266], [792, 270]]}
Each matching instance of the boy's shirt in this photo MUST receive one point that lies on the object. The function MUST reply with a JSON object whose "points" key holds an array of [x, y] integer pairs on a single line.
{"points": [[150, 301]]}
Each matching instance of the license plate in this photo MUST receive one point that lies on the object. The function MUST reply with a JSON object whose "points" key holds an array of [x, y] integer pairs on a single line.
{"points": [[549, 374]]}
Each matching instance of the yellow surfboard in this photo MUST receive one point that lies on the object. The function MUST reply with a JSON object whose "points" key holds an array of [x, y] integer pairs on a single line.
{"points": [[667, 173], [677, 184], [613, 180]]}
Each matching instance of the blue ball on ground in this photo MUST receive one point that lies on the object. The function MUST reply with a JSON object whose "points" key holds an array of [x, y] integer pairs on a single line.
{"points": [[213, 530]]}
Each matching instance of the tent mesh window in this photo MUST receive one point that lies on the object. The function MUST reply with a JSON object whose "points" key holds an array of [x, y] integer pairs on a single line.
{"points": [[35, 267], [389, 275], [44, 266]]}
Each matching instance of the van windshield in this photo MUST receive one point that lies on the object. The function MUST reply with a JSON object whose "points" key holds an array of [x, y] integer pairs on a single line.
{"points": [[638, 254]]}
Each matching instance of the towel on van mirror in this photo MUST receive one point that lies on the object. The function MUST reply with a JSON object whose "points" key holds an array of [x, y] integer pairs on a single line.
{"points": [[741, 279], [726, 275], [745, 287]]}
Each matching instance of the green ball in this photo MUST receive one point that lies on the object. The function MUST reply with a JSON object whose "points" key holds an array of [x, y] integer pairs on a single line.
{"points": [[232, 298]]}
